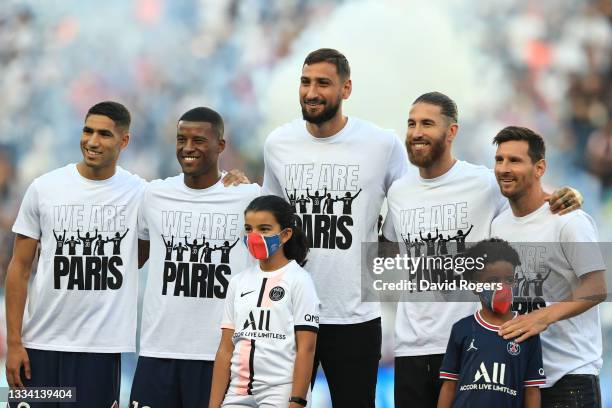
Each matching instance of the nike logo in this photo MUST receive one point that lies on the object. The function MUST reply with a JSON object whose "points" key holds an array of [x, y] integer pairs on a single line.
{"points": [[246, 293]]}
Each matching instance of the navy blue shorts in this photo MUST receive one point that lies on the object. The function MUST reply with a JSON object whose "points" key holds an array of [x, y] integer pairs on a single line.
{"points": [[171, 383], [96, 377]]}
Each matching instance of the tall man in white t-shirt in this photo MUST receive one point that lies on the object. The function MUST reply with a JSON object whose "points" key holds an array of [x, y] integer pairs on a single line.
{"points": [[447, 197], [80, 312], [561, 256], [183, 298], [325, 155]]}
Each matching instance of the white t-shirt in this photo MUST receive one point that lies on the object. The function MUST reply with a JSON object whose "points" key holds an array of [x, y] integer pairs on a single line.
{"points": [[459, 204], [265, 309], [84, 294], [187, 280], [552, 261], [355, 167]]}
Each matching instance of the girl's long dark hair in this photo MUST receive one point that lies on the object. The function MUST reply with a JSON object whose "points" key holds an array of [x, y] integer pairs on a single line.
{"points": [[297, 246]]}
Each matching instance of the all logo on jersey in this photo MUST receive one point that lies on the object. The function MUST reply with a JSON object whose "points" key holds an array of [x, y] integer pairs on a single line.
{"points": [[258, 325], [491, 377], [197, 264], [88, 246], [261, 323], [322, 197], [497, 375]]}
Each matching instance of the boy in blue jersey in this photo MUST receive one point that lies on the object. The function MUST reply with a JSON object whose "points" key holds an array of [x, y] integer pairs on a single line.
{"points": [[480, 368]]}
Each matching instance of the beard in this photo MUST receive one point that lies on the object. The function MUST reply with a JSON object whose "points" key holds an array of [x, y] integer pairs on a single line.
{"points": [[329, 111], [522, 185], [427, 159]]}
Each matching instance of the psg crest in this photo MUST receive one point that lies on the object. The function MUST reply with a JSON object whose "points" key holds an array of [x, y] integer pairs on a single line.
{"points": [[513, 348], [277, 293]]}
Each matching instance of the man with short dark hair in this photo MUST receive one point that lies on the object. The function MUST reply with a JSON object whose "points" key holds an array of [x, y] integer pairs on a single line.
{"points": [[81, 308], [183, 299], [565, 250], [356, 162], [447, 197], [535, 144]]}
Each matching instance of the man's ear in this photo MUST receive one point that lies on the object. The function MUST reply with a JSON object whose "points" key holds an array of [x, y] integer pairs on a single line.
{"points": [[221, 145], [452, 132], [540, 168], [347, 88], [125, 140]]}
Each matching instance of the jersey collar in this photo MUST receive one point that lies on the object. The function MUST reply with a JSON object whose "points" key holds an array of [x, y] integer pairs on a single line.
{"points": [[487, 325]]}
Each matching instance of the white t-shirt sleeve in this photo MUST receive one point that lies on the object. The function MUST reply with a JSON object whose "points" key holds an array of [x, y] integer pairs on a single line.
{"points": [[306, 305], [28, 218], [579, 241], [271, 184], [143, 227], [227, 322], [397, 163]]}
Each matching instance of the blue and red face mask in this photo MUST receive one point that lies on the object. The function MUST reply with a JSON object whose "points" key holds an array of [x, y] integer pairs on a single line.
{"points": [[260, 246], [499, 300]]}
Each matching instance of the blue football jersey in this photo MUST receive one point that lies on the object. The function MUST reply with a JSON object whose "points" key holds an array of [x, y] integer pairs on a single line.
{"points": [[490, 371]]}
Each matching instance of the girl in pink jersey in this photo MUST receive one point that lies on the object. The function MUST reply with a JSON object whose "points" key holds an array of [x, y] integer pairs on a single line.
{"points": [[271, 317]]}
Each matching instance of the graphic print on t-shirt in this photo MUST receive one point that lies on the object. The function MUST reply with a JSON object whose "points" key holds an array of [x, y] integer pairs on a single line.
{"points": [[312, 190], [199, 273], [438, 232], [529, 278], [85, 229]]}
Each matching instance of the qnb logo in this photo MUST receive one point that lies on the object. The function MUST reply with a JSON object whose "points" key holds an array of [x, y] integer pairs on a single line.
{"points": [[262, 322], [497, 376], [311, 318]]}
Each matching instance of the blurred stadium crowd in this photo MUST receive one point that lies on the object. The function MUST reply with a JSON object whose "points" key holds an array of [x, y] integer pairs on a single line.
{"points": [[57, 62]]}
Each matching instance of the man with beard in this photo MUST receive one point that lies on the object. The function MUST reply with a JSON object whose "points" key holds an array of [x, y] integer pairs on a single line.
{"points": [[349, 157], [446, 195], [183, 300], [568, 254]]}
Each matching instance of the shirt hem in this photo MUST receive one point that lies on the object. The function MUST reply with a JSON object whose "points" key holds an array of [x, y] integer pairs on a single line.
{"points": [[177, 356], [80, 349], [347, 320], [421, 352]]}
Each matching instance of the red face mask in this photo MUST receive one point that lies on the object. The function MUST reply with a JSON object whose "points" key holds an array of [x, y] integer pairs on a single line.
{"points": [[499, 300], [260, 246]]}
